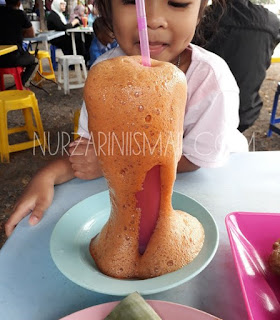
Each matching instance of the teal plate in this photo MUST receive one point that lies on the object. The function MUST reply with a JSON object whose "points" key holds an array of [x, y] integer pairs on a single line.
{"points": [[71, 236]]}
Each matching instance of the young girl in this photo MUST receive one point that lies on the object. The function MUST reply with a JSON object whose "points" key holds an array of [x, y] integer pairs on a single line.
{"points": [[211, 116]]}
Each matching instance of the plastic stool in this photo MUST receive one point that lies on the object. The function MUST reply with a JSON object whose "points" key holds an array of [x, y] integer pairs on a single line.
{"points": [[273, 119], [74, 83], [27, 102], [76, 123], [53, 56], [42, 54], [15, 72]]}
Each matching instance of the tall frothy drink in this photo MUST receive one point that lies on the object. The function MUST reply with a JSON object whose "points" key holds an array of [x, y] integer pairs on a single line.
{"points": [[136, 118]]}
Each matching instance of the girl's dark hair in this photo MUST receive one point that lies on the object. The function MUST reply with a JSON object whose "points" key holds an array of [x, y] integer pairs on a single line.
{"points": [[105, 10], [99, 25], [209, 21], [209, 16]]}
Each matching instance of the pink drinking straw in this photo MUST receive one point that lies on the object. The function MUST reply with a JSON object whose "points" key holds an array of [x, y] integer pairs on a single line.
{"points": [[143, 32]]}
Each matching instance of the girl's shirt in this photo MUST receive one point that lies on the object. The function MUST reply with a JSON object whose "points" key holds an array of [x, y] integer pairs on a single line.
{"points": [[211, 116], [97, 49]]}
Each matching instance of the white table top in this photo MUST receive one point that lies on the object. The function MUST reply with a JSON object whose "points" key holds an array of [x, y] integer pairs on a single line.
{"points": [[80, 29], [45, 36], [32, 287]]}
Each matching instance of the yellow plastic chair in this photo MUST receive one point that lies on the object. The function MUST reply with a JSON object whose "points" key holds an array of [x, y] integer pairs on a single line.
{"points": [[76, 123], [275, 59], [42, 54], [26, 101]]}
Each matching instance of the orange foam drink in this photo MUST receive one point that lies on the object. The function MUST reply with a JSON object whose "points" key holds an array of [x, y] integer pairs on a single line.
{"points": [[136, 116], [85, 21]]}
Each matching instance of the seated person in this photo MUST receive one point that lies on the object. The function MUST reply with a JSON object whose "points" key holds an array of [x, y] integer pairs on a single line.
{"points": [[48, 4], [245, 37], [92, 14], [14, 26], [36, 8], [57, 21], [102, 41], [78, 12]]}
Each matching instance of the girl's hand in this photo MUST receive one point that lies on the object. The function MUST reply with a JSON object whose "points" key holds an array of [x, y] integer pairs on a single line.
{"points": [[36, 198], [84, 160]]}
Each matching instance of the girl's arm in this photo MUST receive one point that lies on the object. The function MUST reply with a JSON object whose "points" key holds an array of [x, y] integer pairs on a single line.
{"points": [[38, 195], [184, 165]]}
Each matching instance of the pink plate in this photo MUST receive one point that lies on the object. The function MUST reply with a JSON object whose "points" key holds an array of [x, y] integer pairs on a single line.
{"points": [[251, 238], [166, 310]]}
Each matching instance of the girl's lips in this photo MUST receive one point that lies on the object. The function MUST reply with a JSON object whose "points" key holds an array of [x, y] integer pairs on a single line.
{"points": [[156, 48]]}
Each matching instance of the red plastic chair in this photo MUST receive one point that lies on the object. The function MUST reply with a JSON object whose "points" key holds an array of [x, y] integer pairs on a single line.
{"points": [[15, 72]]}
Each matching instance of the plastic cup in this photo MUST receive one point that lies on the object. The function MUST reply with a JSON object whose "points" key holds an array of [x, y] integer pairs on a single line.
{"points": [[85, 21]]}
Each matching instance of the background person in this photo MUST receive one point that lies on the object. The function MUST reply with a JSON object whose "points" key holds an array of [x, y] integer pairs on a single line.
{"points": [[92, 14], [244, 36], [14, 26], [48, 4], [77, 13], [57, 21]]}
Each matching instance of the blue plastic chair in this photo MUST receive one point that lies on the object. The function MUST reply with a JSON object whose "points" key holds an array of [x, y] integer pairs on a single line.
{"points": [[273, 119], [53, 57], [25, 46]]}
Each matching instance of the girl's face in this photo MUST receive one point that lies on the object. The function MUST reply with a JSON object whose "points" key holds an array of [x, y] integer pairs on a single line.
{"points": [[171, 27]]}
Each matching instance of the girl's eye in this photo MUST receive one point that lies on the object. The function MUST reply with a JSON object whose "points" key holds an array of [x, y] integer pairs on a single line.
{"points": [[177, 4], [128, 1]]}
